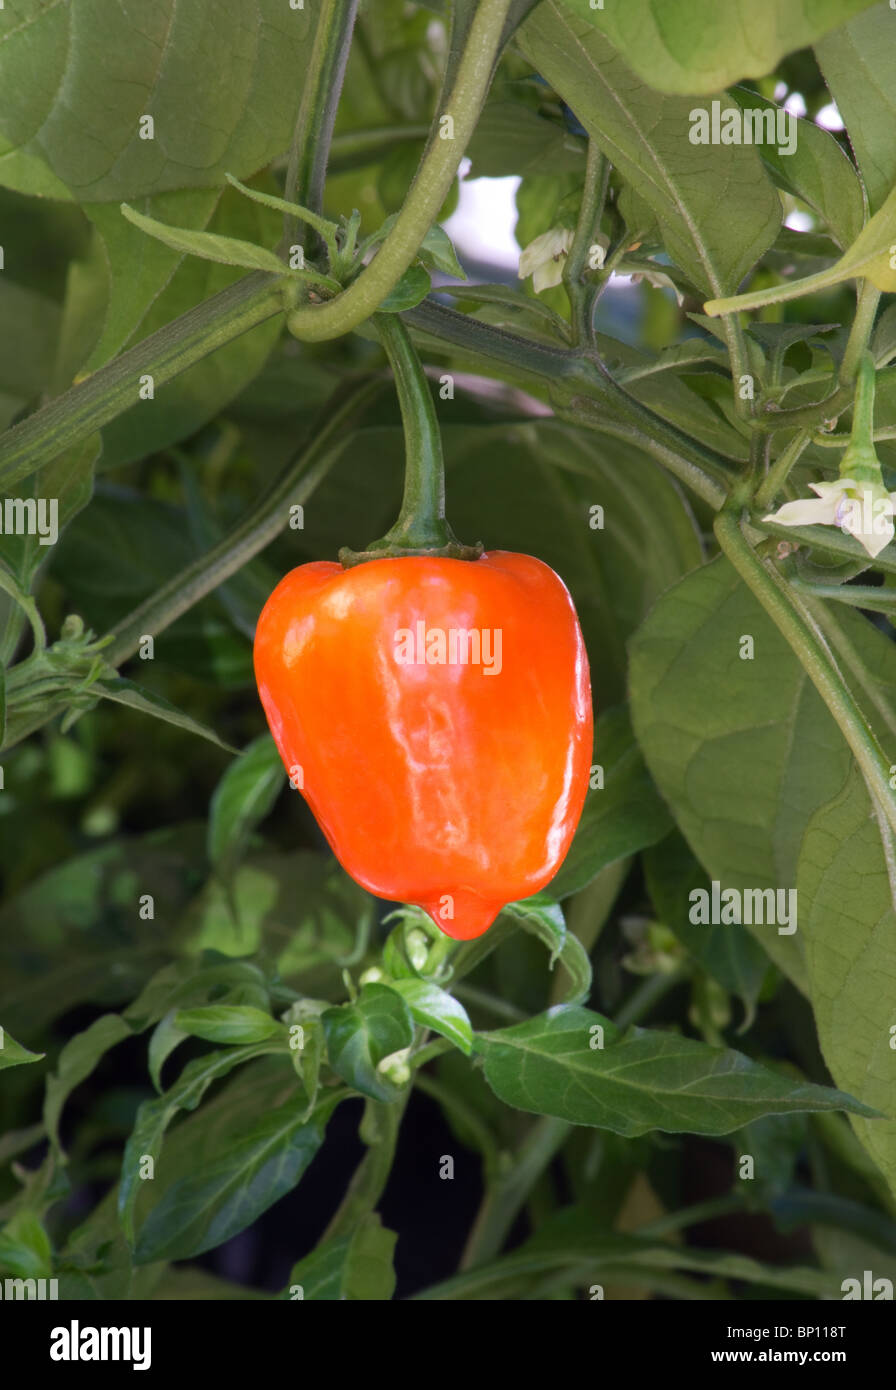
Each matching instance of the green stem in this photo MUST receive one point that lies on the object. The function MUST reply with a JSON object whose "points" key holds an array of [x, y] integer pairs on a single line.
{"points": [[581, 294], [507, 1194], [643, 998], [379, 1130], [421, 528], [872, 599], [356, 148], [692, 1215], [501, 1008], [108, 392], [781, 605], [323, 77], [779, 472], [860, 332], [437, 171], [862, 433], [736, 343]]}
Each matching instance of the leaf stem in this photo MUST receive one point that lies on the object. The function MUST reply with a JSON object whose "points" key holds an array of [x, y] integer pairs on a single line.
{"points": [[582, 295], [860, 332], [506, 1196], [779, 472], [324, 74], [379, 1126]]}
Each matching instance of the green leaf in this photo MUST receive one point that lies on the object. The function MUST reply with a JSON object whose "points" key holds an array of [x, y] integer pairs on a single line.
{"points": [[360, 1035], [544, 918], [734, 958], [223, 1197], [512, 138], [620, 817], [413, 286], [857, 61], [816, 170], [709, 720], [12, 1054], [228, 1023], [223, 87], [208, 245], [846, 887], [67, 482], [132, 270], [319, 1275], [182, 405], [638, 1080], [25, 1249], [326, 229], [568, 1244], [166, 1036], [184, 983], [368, 1272], [125, 692], [869, 257], [715, 204], [154, 1117], [708, 44], [242, 799], [437, 1009], [27, 349], [688, 356], [77, 1060]]}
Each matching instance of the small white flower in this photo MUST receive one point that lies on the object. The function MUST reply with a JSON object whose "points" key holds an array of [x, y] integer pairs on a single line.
{"points": [[866, 514], [545, 257]]}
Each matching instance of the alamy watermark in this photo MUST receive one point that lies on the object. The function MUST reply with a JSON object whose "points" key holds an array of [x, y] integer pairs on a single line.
{"points": [[749, 907], [453, 646], [31, 516], [38, 1289], [730, 125]]}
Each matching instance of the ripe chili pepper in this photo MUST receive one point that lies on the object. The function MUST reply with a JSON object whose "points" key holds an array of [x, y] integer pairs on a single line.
{"points": [[438, 712]]}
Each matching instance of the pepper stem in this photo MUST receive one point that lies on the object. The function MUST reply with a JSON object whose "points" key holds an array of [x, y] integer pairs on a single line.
{"points": [[860, 460], [421, 528]]}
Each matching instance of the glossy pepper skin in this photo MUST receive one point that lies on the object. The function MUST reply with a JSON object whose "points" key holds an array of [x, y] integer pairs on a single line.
{"points": [[453, 785]]}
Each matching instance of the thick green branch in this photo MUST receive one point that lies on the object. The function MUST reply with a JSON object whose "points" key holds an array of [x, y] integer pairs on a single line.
{"points": [[581, 390], [113, 389]]}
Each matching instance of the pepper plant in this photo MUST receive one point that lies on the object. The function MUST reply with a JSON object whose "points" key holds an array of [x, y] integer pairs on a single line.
{"points": [[237, 340]]}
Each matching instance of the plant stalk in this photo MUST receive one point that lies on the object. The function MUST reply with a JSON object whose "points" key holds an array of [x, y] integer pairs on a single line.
{"points": [[313, 133]]}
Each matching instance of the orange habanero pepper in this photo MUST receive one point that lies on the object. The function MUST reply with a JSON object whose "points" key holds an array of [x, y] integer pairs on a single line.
{"points": [[440, 713]]}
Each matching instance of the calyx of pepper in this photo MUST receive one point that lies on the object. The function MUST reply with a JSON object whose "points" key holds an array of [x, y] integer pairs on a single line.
{"points": [[414, 533]]}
